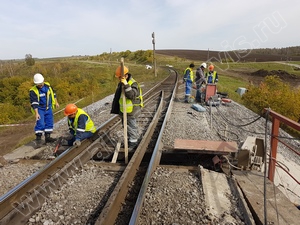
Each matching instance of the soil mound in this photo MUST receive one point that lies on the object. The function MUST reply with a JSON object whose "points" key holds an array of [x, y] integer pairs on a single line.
{"points": [[280, 73]]}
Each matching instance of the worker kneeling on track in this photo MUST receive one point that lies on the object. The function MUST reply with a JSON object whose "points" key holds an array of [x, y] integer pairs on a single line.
{"points": [[80, 125]]}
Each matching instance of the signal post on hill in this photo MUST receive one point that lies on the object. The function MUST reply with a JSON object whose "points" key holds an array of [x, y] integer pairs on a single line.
{"points": [[154, 60]]}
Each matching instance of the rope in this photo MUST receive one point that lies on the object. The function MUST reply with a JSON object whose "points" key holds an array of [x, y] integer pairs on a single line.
{"points": [[265, 170], [64, 108], [24, 124], [243, 125], [15, 125], [266, 155], [231, 163]]}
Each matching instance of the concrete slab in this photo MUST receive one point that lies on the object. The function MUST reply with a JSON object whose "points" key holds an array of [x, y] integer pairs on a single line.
{"points": [[24, 152], [206, 147], [217, 194], [215, 197], [280, 210]]}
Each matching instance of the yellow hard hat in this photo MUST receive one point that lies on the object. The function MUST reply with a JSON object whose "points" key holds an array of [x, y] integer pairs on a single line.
{"points": [[119, 72]]}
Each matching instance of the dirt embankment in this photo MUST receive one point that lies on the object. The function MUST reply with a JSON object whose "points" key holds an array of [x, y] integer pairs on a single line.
{"points": [[236, 56], [254, 77], [280, 73]]}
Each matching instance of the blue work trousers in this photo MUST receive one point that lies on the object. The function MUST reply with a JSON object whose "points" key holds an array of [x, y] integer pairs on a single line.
{"points": [[188, 89], [84, 136], [198, 93], [45, 123]]}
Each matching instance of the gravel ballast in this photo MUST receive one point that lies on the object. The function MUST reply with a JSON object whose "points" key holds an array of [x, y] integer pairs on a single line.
{"points": [[175, 197]]}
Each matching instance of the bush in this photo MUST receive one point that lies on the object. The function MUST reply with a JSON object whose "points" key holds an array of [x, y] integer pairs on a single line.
{"points": [[11, 113], [275, 94]]}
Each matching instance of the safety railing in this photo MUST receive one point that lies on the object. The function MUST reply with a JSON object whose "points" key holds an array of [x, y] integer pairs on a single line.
{"points": [[276, 119]]}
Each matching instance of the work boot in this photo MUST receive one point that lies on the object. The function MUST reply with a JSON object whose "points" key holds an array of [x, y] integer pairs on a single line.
{"points": [[38, 140], [186, 99], [49, 139], [131, 145]]}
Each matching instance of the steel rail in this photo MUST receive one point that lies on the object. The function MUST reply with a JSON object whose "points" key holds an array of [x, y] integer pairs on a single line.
{"points": [[154, 162], [35, 188], [18, 204], [112, 208]]}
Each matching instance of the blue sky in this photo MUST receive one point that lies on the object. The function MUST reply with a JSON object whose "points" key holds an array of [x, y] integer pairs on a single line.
{"points": [[53, 28]]}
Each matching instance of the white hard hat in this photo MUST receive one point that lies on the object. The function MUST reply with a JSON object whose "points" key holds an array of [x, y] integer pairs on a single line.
{"points": [[38, 78], [204, 65]]}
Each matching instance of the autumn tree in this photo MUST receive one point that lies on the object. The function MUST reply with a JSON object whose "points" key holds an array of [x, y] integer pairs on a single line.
{"points": [[29, 60]]}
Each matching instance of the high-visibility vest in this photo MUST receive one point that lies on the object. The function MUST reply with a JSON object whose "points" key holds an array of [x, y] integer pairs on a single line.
{"points": [[89, 125], [191, 75], [50, 93], [213, 77], [129, 104]]}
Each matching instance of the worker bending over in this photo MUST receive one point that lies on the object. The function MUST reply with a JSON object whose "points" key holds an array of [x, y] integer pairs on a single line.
{"points": [[80, 125]]}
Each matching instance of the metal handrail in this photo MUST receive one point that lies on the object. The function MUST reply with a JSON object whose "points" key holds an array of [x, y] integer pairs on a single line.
{"points": [[276, 120]]}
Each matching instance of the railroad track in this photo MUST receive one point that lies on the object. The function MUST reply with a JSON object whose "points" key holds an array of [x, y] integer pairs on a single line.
{"points": [[126, 201], [18, 204], [150, 164]]}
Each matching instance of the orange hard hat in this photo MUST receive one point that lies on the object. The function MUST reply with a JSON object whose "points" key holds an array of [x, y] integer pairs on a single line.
{"points": [[119, 72], [211, 67], [70, 109]]}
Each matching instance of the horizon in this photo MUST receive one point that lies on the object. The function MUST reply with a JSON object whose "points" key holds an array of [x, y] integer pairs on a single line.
{"points": [[205, 50]]}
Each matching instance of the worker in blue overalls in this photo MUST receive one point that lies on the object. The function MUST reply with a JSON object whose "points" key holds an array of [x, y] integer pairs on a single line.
{"points": [[188, 78], [212, 75], [43, 100]]}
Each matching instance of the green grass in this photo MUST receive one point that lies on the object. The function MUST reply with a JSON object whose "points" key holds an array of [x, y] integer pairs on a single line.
{"points": [[230, 85], [105, 68]]}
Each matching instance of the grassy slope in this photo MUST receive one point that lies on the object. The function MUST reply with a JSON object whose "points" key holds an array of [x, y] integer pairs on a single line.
{"points": [[227, 82], [231, 75]]}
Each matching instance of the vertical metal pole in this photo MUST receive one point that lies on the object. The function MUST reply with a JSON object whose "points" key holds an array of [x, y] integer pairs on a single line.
{"points": [[124, 114], [154, 59], [110, 57], [208, 54], [274, 144], [210, 111]]}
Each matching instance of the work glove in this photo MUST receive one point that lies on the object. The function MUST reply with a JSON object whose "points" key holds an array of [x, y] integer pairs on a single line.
{"points": [[77, 143], [124, 81]]}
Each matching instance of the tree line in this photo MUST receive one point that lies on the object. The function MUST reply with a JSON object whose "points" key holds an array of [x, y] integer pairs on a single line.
{"points": [[80, 77], [72, 79]]}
